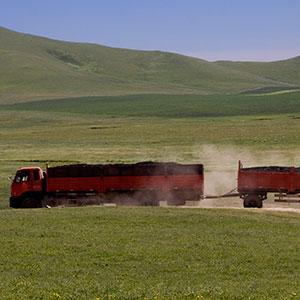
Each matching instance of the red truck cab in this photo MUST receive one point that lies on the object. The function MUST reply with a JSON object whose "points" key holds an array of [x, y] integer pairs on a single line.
{"points": [[27, 184]]}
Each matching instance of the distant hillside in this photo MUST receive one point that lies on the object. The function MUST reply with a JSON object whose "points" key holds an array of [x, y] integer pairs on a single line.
{"points": [[285, 72], [34, 67], [170, 106]]}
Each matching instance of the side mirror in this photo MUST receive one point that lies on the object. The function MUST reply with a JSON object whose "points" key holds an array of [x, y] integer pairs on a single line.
{"points": [[10, 178]]}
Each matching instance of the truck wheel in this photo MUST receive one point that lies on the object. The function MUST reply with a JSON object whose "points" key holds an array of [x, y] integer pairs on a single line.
{"points": [[14, 203], [28, 202], [33, 201]]}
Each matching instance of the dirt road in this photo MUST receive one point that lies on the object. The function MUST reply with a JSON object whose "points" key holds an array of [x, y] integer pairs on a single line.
{"points": [[237, 203]]}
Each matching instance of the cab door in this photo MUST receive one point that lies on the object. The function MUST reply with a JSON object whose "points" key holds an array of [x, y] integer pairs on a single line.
{"points": [[37, 180]]}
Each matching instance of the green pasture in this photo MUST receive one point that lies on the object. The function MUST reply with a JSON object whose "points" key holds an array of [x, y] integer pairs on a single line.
{"points": [[148, 253], [171, 106]]}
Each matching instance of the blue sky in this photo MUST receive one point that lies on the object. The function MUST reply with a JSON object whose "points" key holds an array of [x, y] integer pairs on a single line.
{"points": [[209, 29]]}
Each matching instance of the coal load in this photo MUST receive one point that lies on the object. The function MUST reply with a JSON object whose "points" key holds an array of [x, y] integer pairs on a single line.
{"points": [[270, 169], [137, 169]]}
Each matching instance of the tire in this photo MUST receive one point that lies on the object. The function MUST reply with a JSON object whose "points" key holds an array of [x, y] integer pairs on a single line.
{"points": [[247, 203], [14, 202], [253, 201], [28, 202], [31, 202], [259, 203]]}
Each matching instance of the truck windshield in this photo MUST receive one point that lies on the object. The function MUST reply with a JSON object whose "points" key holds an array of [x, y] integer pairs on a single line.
{"points": [[22, 176]]}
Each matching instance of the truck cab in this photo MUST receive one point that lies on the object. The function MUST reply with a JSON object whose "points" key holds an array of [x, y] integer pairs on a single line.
{"points": [[27, 185]]}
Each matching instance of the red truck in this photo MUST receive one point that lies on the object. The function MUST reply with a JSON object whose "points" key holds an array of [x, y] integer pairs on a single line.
{"points": [[145, 183], [255, 183]]}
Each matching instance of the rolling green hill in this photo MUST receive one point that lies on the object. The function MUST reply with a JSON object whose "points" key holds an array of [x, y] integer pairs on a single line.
{"points": [[34, 67], [286, 72]]}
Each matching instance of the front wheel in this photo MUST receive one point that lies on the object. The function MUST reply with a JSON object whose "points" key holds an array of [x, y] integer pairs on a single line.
{"points": [[14, 202], [33, 202], [28, 202]]}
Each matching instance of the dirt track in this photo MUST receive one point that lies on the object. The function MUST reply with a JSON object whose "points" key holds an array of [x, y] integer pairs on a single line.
{"points": [[236, 203], [283, 209]]}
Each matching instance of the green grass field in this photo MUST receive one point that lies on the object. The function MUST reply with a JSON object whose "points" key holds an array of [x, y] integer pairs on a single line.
{"points": [[149, 253], [171, 106]]}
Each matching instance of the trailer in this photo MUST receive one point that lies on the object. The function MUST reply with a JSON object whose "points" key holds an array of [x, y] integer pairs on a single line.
{"points": [[255, 183], [145, 183]]}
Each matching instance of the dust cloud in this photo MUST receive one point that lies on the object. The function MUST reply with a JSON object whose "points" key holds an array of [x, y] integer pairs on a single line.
{"points": [[221, 164]]}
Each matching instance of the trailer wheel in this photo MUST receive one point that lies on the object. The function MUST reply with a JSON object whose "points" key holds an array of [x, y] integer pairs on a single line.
{"points": [[253, 201], [259, 203], [256, 201], [247, 203]]}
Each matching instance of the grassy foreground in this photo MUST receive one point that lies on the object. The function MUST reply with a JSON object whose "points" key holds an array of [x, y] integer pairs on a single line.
{"points": [[149, 253]]}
